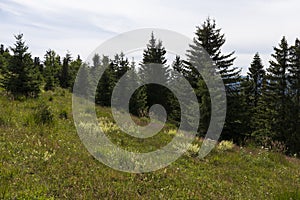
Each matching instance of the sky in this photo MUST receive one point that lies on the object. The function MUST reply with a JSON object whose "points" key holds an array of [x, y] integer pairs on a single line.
{"points": [[79, 27]]}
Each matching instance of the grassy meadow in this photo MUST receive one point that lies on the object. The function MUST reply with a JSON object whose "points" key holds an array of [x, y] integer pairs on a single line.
{"points": [[42, 157]]}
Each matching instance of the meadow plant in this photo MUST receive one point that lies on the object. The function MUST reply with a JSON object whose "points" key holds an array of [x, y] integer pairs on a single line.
{"points": [[225, 145]]}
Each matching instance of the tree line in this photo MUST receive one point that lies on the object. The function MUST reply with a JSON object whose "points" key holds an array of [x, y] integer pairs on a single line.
{"points": [[263, 107]]}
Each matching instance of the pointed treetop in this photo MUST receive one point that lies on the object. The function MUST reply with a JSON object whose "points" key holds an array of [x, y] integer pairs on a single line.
{"points": [[152, 41]]}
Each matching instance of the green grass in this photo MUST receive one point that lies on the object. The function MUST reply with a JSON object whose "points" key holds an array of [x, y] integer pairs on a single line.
{"points": [[48, 161]]}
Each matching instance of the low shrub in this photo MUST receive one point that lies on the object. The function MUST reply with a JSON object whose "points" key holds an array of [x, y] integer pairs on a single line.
{"points": [[190, 150], [63, 114], [43, 114], [225, 145]]}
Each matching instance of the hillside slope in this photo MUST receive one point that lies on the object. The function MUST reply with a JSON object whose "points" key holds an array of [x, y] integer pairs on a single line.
{"points": [[42, 157]]}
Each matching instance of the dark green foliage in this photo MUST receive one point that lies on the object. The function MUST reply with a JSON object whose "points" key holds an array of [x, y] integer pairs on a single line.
{"points": [[43, 114], [69, 71], [63, 114], [182, 106], [94, 70], [65, 78], [251, 95], [52, 70], [106, 82], [113, 70], [256, 75], [21, 77], [154, 69], [38, 65], [121, 65], [138, 101], [276, 117], [277, 95], [210, 38], [177, 66], [82, 84], [294, 81], [73, 70], [4, 58], [263, 107], [262, 122], [118, 68]]}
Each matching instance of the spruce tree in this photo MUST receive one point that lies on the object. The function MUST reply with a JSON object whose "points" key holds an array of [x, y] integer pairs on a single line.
{"points": [[181, 114], [52, 69], [153, 67], [65, 78], [1, 49], [177, 66], [69, 71], [256, 74], [94, 70], [262, 119], [277, 92], [210, 38], [121, 65], [252, 87], [38, 64], [294, 81], [74, 68], [82, 83], [21, 76], [138, 101], [106, 83], [4, 59]]}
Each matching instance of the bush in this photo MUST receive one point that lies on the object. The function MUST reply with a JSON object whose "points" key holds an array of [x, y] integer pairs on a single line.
{"points": [[192, 150], [43, 114], [225, 145], [63, 114], [3, 121]]}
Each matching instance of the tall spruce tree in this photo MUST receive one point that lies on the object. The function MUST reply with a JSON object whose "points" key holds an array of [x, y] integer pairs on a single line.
{"points": [[153, 67], [177, 67], [65, 78], [262, 120], [277, 92], [21, 77], [251, 94], [256, 75], [181, 114], [73, 70], [212, 40], [106, 83], [121, 65], [82, 84], [94, 69], [52, 69], [138, 101], [209, 37], [294, 80], [4, 58]]}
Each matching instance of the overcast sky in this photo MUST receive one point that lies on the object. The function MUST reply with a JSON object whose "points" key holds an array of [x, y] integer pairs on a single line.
{"points": [[80, 26]]}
